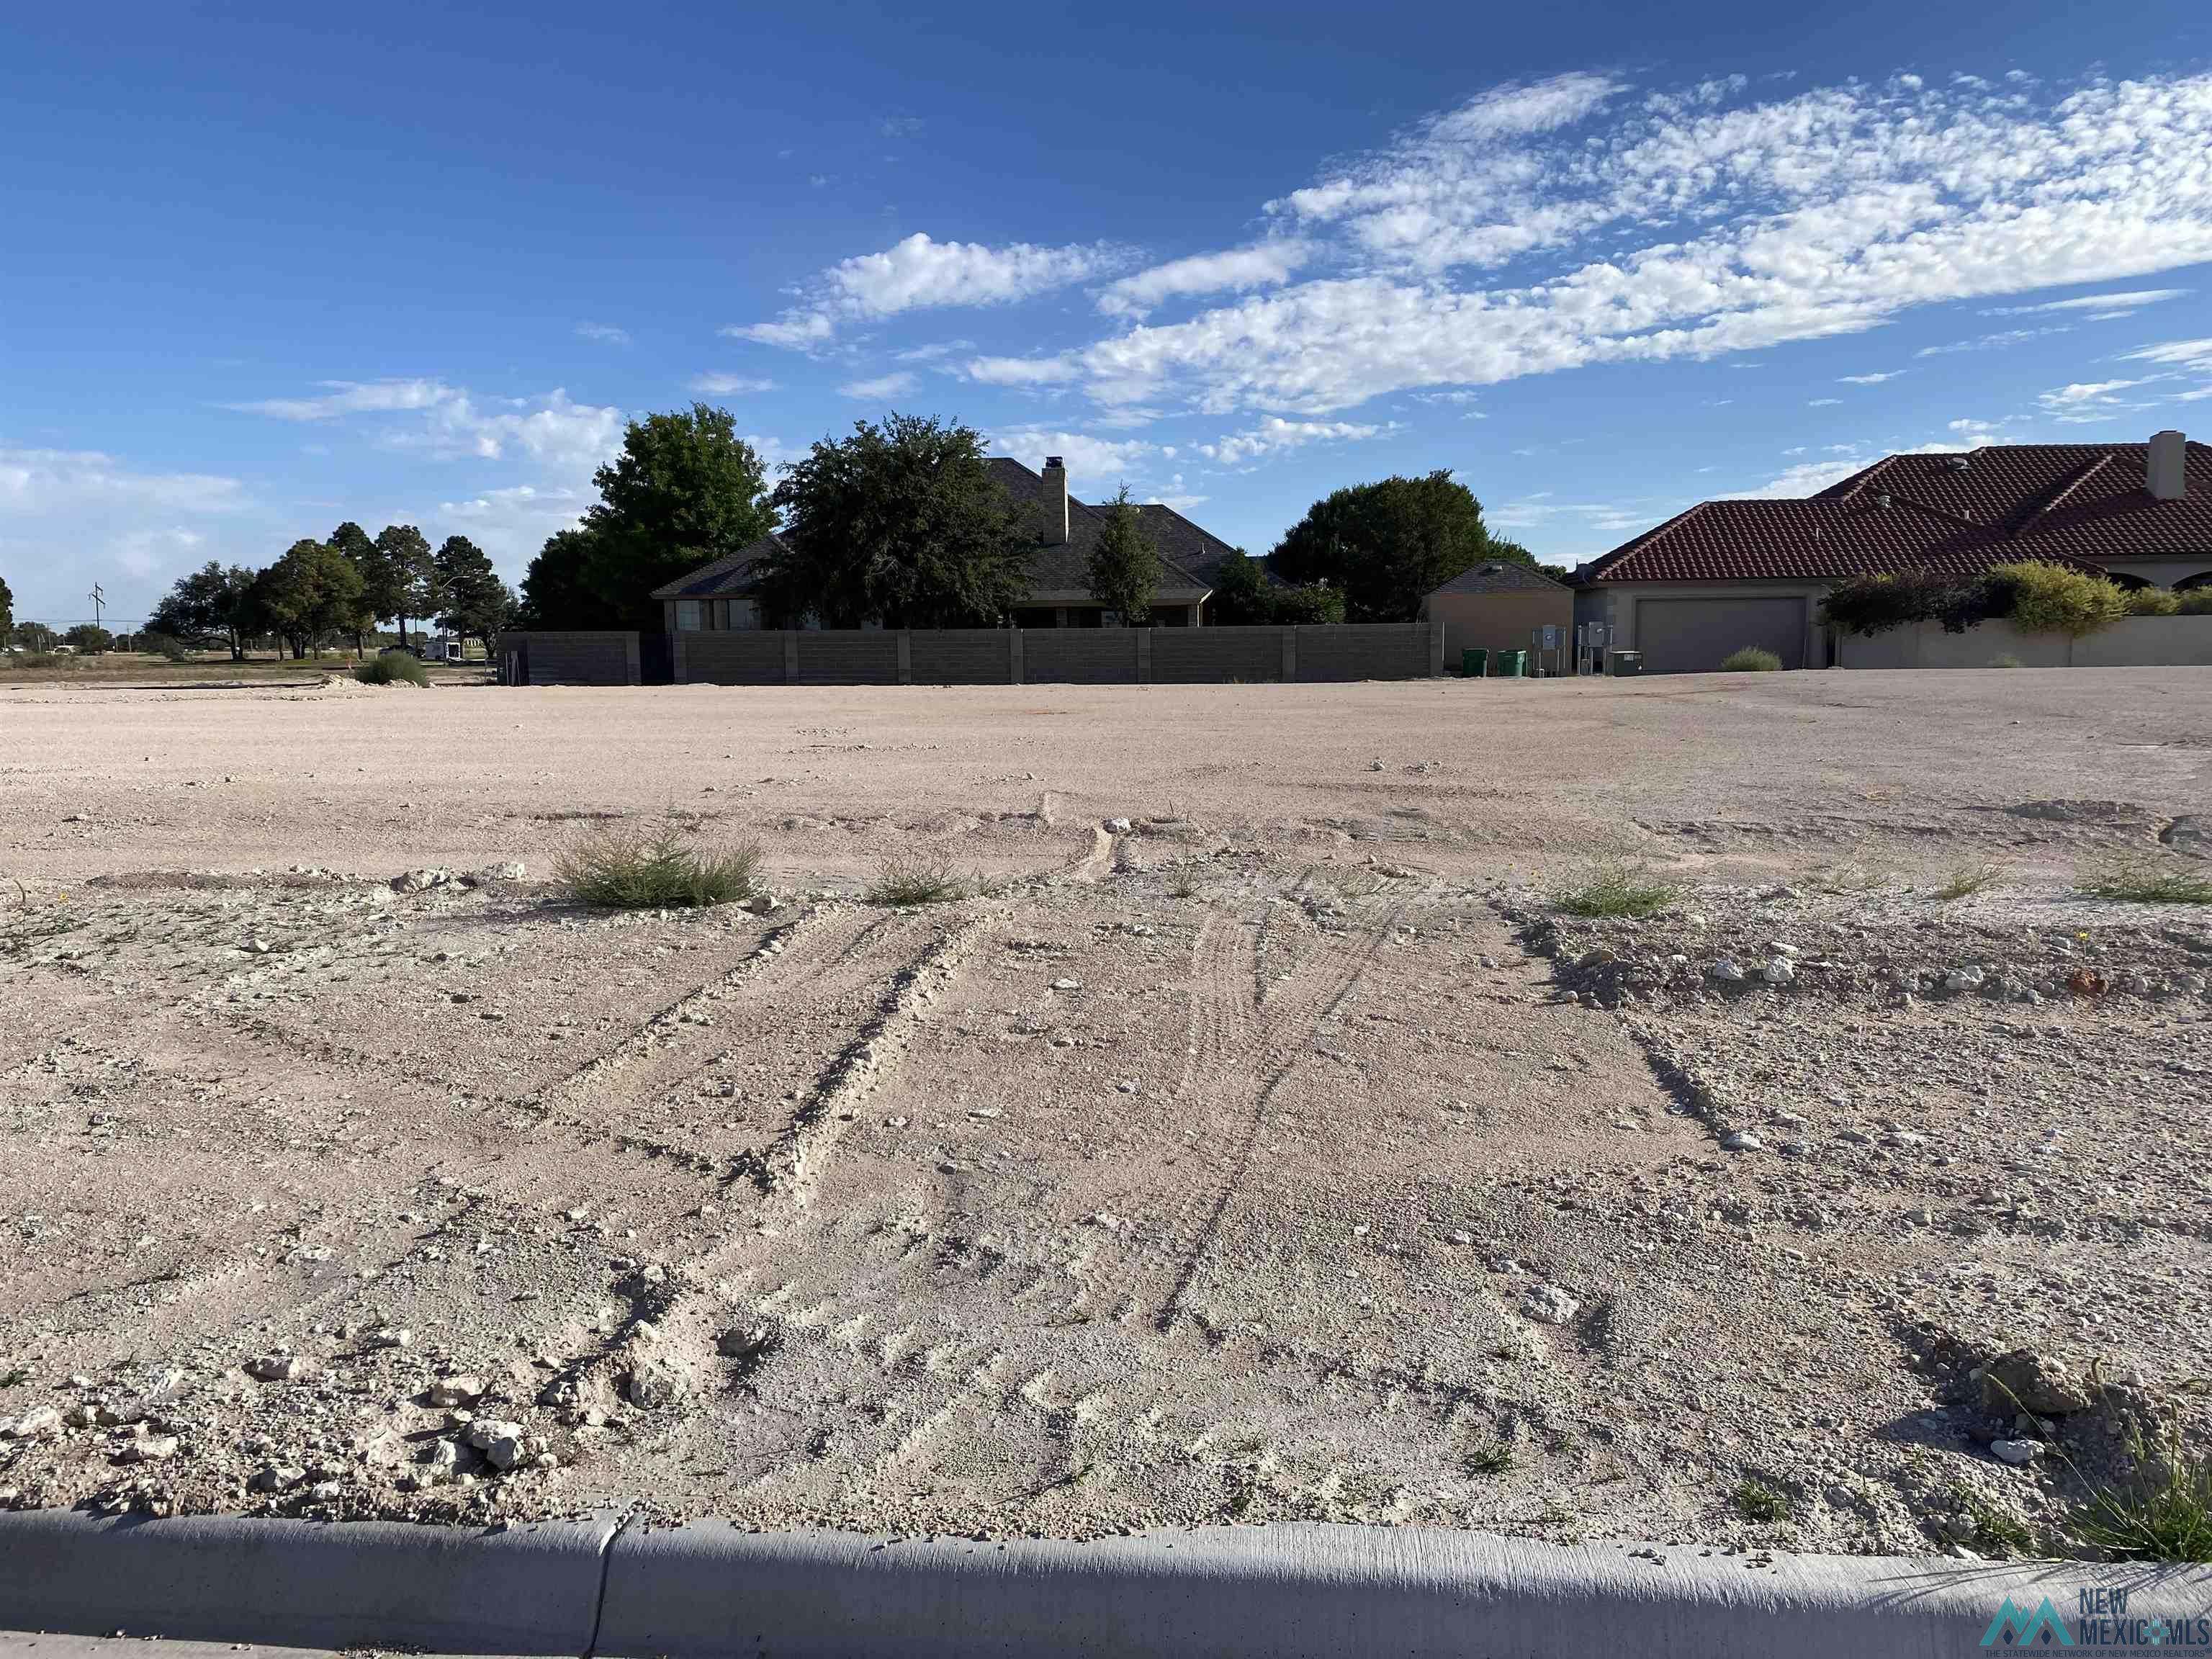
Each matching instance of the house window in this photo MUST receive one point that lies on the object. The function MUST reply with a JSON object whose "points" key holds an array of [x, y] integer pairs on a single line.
{"points": [[687, 617]]}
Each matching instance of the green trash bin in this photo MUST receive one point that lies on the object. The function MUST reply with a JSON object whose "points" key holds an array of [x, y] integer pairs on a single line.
{"points": [[1474, 665], [1513, 665]]}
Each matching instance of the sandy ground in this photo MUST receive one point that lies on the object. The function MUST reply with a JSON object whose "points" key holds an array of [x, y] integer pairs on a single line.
{"points": [[1259, 1145]]}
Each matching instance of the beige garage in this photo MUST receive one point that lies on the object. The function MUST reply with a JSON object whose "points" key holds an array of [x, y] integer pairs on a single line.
{"points": [[1693, 636]]}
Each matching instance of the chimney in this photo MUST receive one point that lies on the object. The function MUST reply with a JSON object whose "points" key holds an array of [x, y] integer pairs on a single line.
{"points": [[2167, 465], [1055, 501]]}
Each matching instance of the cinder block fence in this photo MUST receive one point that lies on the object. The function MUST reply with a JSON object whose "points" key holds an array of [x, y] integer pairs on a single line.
{"points": [[989, 656]]}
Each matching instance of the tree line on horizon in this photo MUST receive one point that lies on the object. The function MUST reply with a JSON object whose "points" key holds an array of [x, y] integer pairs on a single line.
{"points": [[900, 524]]}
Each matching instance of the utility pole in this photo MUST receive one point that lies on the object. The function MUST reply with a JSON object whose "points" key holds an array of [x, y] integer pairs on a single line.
{"points": [[98, 600]]}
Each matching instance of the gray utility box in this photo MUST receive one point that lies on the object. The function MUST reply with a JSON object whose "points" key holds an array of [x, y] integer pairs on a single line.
{"points": [[1623, 663]]}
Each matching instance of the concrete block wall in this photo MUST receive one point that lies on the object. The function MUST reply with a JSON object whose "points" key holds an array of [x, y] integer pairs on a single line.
{"points": [[995, 656], [964, 656], [1211, 655], [596, 657]]}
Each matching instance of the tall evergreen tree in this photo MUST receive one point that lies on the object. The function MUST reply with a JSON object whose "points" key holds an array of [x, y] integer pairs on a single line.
{"points": [[1123, 571], [352, 543], [473, 600], [409, 576]]}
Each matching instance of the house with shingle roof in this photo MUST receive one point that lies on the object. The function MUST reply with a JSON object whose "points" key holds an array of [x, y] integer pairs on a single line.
{"points": [[1728, 573], [718, 597]]}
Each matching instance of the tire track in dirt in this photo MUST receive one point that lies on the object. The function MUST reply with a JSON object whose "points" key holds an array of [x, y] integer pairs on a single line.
{"points": [[1244, 1046]]}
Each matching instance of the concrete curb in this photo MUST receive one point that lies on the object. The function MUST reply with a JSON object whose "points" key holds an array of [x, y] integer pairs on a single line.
{"points": [[1313, 1589], [1283, 1591], [301, 1583]]}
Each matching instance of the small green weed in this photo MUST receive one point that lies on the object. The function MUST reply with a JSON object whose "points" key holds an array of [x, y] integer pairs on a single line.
{"points": [[1615, 889], [1752, 659], [640, 869], [1757, 1501], [915, 878], [1967, 880], [2135, 881]]}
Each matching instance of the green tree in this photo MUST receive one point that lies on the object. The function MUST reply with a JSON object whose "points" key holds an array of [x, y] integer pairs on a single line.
{"points": [[474, 601], [900, 524], [7, 611], [309, 594], [89, 639], [406, 575], [352, 543], [35, 636], [555, 593], [1240, 597], [1123, 571], [1388, 544], [685, 491], [212, 606]]}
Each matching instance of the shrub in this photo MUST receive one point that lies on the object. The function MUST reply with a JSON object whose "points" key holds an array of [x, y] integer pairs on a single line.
{"points": [[1967, 880], [389, 666], [639, 869], [1757, 1501], [2153, 602], [1874, 605], [2134, 882], [2050, 598], [916, 880], [2165, 1517], [2195, 602], [1752, 659], [164, 645], [1615, 889]]}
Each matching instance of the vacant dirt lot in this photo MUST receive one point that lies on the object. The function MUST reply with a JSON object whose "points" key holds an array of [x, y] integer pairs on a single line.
{"points": [[1258, 1143]]}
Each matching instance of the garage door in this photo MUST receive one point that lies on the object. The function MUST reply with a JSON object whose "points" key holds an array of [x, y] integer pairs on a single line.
{"points": [[1690, 636]]}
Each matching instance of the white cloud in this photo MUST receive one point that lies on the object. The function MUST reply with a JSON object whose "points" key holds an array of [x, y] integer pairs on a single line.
{"points": [[1236, 271], [2088, 401], [1095, 466], [2002, 340], [730, 386], [2105, 305], [934, 352], [797, 330], [1275, 433], [919, 273], [342, 397], [603, 334], [1822, 402], [1869, 380], [69, 517], [449, 422], [883, 385], [1021, 371], [2186, 354], [51, 483], [1695, 222]]}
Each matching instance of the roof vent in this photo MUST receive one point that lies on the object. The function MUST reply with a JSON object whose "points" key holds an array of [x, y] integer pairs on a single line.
{"points": [[1957, 463], [1053, 460], [1882, 500]]}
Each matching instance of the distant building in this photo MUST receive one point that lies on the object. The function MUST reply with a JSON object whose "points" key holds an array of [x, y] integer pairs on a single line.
{"points": [[1730, 574], [718, 598], [1494, 606]]}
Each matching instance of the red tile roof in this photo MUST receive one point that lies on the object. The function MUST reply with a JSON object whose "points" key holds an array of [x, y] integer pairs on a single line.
{"points": [[2081, 503]]}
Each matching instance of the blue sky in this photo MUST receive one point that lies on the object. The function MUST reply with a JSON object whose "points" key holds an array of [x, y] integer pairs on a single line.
{"points": [[269, 270]]}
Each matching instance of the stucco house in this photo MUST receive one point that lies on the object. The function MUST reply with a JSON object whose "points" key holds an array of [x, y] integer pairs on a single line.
{"points": [[1496, 605], [1729, 573], [718, 598]]}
